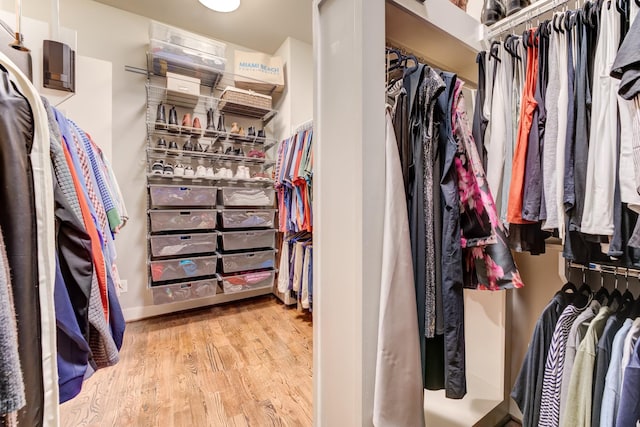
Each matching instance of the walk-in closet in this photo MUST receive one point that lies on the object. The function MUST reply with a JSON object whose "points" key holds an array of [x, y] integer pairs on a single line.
{"points": [[319, 213]]}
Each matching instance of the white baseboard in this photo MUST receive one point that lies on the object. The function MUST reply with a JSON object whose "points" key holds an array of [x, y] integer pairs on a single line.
{"points": [[132, 314]]}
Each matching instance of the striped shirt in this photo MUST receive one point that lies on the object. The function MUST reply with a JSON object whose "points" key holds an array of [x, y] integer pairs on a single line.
{"points": [[554, 365]]}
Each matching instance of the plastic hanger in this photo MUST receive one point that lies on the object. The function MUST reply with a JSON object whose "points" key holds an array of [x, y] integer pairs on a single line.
{"points": [[602, 294], [627, 298], [493, 50]]}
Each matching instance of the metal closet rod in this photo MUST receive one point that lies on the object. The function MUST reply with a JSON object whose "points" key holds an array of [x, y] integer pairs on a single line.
{"points": [[527, 14], [603, 268]]}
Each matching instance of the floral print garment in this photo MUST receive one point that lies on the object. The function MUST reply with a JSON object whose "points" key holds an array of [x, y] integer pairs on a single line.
{"points": [[488, 260]]}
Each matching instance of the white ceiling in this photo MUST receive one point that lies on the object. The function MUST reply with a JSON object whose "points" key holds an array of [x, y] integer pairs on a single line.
{"points": [[257, 24]]}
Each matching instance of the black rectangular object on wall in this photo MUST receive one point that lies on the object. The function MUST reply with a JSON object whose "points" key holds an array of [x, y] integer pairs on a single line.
{"points": [[59, 66]]}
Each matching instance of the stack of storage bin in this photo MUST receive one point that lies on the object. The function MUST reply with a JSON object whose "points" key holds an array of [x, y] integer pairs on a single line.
{"points": [[183, 242], [248, 238]]}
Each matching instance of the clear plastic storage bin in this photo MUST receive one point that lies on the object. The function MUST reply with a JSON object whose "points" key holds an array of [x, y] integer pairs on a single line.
{"points": [[176, 36], [177, 195], [183, 268], [183, 244], [233, 263], [247, 282], [186, 61], [241, 218], [165, 220], [234, 196], [184, 291], [239, 240]]}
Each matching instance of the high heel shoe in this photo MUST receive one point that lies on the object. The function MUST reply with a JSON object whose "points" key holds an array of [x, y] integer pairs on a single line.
{"points": [[173, 121], [187, 124], [197, 127], [161, 118], [221, 127], [210, 131]]}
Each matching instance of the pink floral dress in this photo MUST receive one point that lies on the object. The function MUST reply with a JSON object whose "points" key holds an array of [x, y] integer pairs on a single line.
{"points": [[488, 260]]}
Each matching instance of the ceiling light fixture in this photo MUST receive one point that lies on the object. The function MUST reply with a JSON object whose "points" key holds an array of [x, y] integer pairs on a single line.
{"points": [[221, 5]]}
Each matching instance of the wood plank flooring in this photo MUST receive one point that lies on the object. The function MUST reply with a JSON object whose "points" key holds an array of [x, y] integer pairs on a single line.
{"points": [[239, 364]]}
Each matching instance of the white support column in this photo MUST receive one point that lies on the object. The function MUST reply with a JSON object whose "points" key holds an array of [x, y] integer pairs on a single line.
{"points": [[348, 191]]}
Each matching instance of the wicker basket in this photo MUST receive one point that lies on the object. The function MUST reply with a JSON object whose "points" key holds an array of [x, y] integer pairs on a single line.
{"points": [[244, 97]]}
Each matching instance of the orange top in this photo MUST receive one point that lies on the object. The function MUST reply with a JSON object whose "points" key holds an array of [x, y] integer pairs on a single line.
{"points": [[96, 248], [527, 108]]}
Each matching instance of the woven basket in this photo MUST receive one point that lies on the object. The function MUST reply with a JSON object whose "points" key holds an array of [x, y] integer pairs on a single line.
{"points": [[244, 97]]}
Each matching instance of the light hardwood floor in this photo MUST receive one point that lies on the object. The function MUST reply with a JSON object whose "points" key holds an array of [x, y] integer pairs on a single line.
{"points": [[240, 364]]}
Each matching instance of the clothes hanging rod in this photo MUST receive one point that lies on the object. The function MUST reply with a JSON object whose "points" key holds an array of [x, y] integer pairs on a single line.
{"points": [[530, 12], [603, 268]]}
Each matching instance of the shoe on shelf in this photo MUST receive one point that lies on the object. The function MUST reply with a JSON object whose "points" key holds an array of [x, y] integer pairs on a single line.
{"points": [[173, 145], [198, 147], [187, 124], [188, 145], [229, 151], [201, 171], [239, 152], [492, 12], [247, 173], [239, 172], [188, 171], [514, 6], [256, 154], [161, 118], [210, 131], [261, 134], [228, 173], [173, 120], [168, 169], [261, 176], [221, 127], [251, 131], [158, 167], [179, 170], [161, 143], [197, 127], [235, 129], [210, 173]]}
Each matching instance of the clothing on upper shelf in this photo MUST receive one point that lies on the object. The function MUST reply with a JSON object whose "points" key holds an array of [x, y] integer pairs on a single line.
{"points": [[577, 129]]}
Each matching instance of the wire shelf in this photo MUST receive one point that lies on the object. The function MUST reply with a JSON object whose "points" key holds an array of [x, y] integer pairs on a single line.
{"points": [[161, 153], [158, 94], [212, 136], [204, 180]]}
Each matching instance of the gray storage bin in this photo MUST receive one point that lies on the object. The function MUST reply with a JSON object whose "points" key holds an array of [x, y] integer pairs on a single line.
{"points": [[233, 263], [183, 244], [247, 282], [248, 196], [166, 220], [183, 268], [177, 195], [239, 240], [184, 291], [240, 218]]}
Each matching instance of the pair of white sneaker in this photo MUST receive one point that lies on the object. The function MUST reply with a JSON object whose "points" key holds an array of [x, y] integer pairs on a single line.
{"points": [[243, 172], [181, 170], [224, 173], [203, 172]]}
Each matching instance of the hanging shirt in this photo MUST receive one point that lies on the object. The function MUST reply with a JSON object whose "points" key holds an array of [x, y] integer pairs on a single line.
{"points": [[577, 332], [529, 105], [554, 367], [398, 392], [597, 217], [527, 390], [579, 397], [613, 380]]}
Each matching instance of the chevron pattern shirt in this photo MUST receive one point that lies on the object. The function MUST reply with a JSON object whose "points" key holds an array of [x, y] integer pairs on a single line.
{"points": [[554, 365]]}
